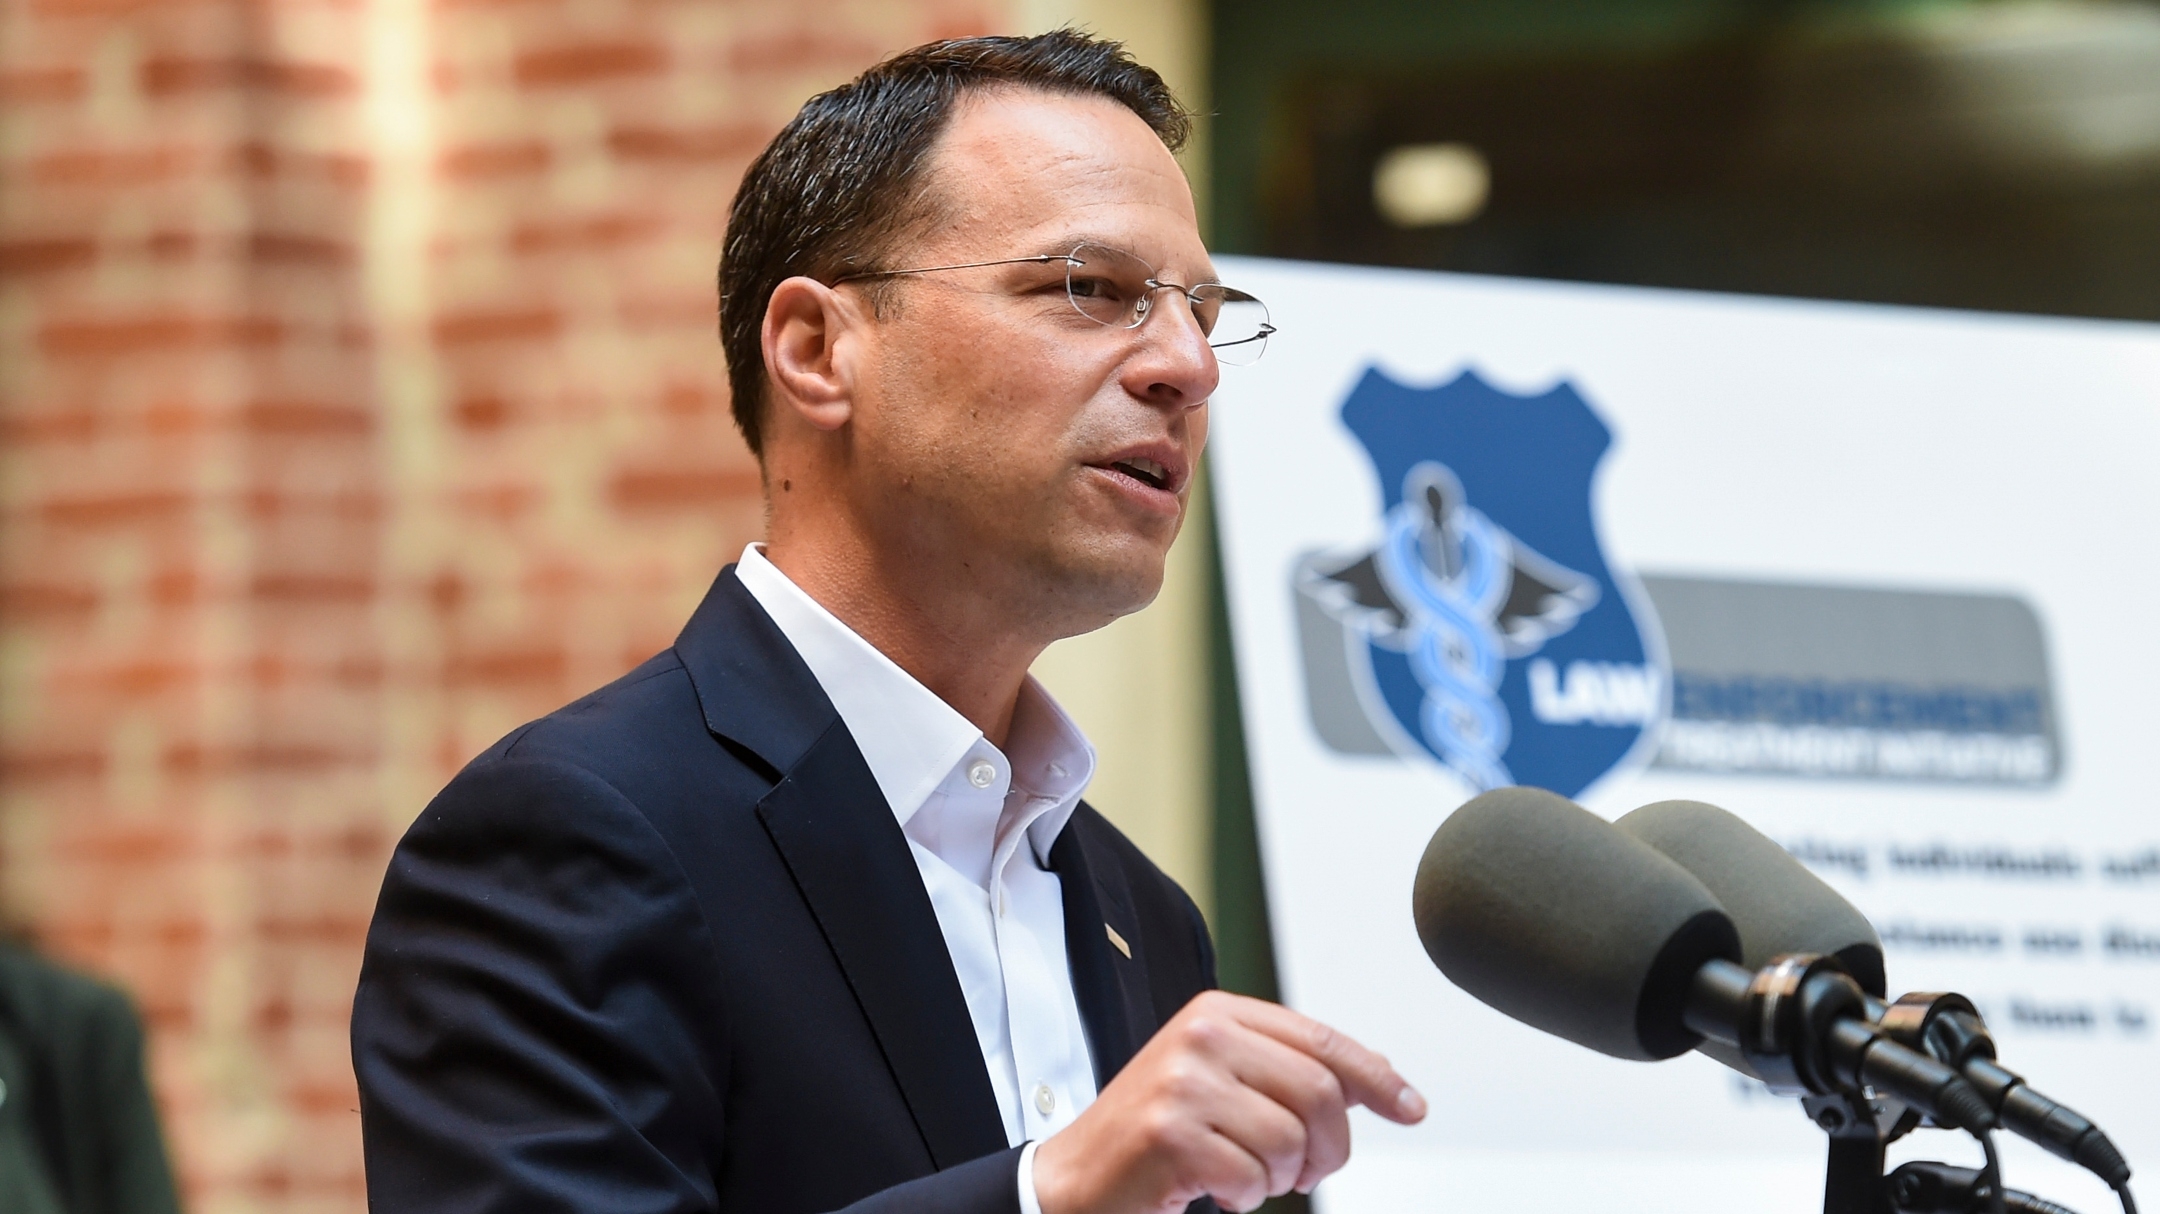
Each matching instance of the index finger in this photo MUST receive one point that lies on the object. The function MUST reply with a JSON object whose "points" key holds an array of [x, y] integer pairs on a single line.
{"points": [[1366, 1077]]}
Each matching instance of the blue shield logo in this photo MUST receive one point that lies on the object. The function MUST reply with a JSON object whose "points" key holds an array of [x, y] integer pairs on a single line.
{"points": [[1484, 628]]}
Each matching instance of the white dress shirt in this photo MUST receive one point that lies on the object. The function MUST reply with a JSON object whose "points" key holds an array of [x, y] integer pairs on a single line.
{"points": [[980, 823]]}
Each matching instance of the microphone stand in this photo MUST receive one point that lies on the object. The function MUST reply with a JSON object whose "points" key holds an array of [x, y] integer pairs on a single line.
{"points": [[1858, 1130], [1853, 1180]]}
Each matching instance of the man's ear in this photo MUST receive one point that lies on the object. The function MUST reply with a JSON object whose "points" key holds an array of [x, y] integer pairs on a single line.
{"points": [[805, 339]]}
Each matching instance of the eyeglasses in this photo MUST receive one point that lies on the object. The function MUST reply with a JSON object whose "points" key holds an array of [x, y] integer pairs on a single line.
{"points": [[1115, 288]]}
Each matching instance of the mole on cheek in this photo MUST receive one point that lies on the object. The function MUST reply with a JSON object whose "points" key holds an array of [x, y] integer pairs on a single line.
{"points": [[786, 484]]}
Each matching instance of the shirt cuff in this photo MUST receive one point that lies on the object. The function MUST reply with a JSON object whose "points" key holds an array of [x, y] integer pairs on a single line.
{"points": [[1029, 1203]]}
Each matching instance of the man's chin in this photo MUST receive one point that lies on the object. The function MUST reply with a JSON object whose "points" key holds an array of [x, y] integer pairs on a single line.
{"points": [[1097, 585]]}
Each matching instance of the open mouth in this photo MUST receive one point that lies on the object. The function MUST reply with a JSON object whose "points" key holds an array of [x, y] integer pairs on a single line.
{"points": [[1146, 471]]}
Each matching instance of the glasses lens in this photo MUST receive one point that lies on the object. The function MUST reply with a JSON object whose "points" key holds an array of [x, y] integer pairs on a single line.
{"points": [[1236, 323], [1107, 285]]}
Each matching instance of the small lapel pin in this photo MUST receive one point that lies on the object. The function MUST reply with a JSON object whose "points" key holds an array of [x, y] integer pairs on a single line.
{"points": [[1118, 941]]}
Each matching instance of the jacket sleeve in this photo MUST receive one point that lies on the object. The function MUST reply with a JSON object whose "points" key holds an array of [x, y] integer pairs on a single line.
{"points": [[539, 1023], [521, 1034]]}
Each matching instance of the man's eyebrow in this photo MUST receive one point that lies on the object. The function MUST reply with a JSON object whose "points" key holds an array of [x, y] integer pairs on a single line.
{"points": [[1073, 240]]}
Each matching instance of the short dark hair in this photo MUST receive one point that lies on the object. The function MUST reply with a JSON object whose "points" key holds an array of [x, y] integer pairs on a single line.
{"points": [[845, 176]]}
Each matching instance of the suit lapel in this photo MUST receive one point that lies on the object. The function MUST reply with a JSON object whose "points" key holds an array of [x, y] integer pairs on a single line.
{"points": [[1110, 987], [848, 856], [840, 841]]}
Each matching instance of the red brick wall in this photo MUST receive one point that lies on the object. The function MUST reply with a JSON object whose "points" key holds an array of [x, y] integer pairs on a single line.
{"points": [[350, 413]]}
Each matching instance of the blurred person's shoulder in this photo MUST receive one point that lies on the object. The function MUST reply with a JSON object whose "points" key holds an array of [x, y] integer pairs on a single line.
{"points": [[55, 1006]]}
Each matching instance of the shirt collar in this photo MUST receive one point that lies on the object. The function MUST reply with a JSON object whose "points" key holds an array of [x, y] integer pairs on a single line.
{"points": [[1051, 762], [910, 739]]}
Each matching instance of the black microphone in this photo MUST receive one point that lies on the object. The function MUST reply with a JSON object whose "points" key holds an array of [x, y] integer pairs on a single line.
{"points": [[1781, 907], [1778, 905], [1550, 914]]}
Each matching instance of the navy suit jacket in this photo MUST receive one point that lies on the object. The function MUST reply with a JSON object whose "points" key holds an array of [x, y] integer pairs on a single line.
{"points": [[666, 950]]}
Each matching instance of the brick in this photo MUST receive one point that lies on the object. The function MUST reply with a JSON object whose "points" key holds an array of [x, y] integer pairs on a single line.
{"points": [[189, 759], [288, 249], [258, 158], [554, 580], [689, 400], [80, 9], [667, 488], [87, 937], [166, 76], [303, 590], [43, 84], [172, 587], [588, 62], [150, 677], [175, 418], [803, 49], [131, 845], [21, 257], [167, 1017], [149, 334], [273, 1017], [171, 246], [22, 766], [597, 234], [358, 673], [964, 24], [47, 600], [268, 671], [116, 509], [481, 414], [306, 419], [447, 591], [543, 664], [476, 161], [50, 425], [467, 328], [335, 930], [114, 167], [727, 142], [498, 503], [368, 845], [181, 933], [269, 505], [699, 311], [325, 1097]]}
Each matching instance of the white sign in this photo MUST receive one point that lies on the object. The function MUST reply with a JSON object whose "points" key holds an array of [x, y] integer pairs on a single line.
{"points": [[1878, 580]]}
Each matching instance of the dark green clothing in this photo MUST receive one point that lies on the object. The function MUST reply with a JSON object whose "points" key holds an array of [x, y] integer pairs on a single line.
{"points": [[78, 1129]]}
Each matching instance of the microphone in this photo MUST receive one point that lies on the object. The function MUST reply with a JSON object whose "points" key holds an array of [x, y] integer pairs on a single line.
{"points": [[1542, 910], [1550, 914], [1780, 907]]}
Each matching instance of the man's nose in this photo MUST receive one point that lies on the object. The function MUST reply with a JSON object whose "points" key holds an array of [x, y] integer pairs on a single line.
{"points": [[1176, 367]]}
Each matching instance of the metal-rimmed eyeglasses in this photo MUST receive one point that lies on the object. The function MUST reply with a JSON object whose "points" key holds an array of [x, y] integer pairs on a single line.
{"points": [[1112, 287]]}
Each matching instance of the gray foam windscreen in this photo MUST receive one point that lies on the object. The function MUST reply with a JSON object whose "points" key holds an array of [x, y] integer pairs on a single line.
{"points": [[1546, 912], [1778, 905]]}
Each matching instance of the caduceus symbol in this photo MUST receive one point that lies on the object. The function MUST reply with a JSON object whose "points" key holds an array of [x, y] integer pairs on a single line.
{"points": [[1470, 596]]}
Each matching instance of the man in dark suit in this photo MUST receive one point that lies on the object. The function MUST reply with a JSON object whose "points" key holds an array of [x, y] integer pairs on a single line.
{"points": [[806, 913]]}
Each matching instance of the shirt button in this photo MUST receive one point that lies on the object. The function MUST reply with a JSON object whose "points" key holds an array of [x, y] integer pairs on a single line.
{"points": [[1045, 1099], [981, 773]]}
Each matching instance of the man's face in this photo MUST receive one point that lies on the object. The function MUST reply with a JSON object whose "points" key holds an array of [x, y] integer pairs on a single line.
{"points": [[996, 430]]}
